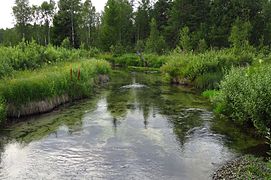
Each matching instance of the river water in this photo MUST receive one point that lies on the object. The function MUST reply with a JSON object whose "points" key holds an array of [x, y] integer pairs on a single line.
{"points": [[134, 128]]}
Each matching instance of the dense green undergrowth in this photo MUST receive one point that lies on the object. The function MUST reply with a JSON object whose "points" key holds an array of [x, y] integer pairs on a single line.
{"points": [[204, 70], [125, 60], [75, 79], [32, 56], [245, 96]]}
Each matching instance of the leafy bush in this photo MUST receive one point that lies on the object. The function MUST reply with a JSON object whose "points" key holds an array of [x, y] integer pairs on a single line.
{"points": [[245, 96]]}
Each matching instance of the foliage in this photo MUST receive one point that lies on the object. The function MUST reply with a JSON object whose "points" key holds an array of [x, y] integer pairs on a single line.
{"points": [[66, 22], [87, 34], [142, 20], [28, 86], [31, 56], [185, 39], [116, 27], [22, 13], [66, 43], [156, 42], [245, 96], [125, 60], [220, 23], [204, 70], [140, 46], [240, 34], [202, 45]]}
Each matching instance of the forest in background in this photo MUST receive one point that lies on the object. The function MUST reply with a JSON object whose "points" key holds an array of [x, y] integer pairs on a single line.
{"points": [[154, 27]]}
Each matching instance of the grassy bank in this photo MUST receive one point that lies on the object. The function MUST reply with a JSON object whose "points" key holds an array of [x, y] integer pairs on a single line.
{"points": [[204, 70], [72, 79]]}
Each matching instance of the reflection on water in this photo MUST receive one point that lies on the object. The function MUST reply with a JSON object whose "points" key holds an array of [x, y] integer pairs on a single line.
{"points": [[159, 132]]}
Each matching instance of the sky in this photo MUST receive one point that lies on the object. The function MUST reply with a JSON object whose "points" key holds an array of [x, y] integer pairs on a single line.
{"points": [[7, 19]]}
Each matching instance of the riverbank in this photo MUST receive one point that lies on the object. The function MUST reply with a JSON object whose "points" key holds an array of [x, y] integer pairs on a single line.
{"points": [[245, 167], [34, 92]]}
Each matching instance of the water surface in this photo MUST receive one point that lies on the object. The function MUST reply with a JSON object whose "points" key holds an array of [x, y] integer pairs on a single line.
{"points": [[135, 128]]}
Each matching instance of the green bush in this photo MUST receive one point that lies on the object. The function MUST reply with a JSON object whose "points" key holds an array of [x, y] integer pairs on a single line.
{"points": [[245, 96]]}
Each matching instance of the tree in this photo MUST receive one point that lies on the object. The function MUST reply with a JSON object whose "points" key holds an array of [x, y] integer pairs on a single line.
{"points": [[266, 22], [202, 45], [117, 25], [142, 20], [240, 34], [22, 13], [37, 34], [66, 22], [88, 23], [191, 13], [185, 39], [224, 13], [161, 13], [156, 42], [47, 12]]}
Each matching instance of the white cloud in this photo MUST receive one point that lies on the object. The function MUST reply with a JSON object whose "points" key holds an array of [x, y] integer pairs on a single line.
{"points": [[7, 19]]}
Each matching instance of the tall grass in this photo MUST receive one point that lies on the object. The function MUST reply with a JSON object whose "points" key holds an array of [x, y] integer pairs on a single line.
{"points": [[32, 56], [61, 79], [205, 70], [125, 60]]}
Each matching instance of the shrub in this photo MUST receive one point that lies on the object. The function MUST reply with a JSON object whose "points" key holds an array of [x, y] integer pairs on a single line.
{"points": [[245, 96]]}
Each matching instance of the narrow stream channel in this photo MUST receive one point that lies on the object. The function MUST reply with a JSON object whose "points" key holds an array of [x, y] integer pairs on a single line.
{"points": [[135, 128]]}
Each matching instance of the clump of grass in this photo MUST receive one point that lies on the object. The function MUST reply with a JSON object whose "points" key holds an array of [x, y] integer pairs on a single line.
{"points": [[62, 79], [204, 70], [210, 94]]}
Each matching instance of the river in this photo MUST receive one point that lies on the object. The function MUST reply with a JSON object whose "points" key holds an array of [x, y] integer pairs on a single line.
{"points": [[133, 128]]}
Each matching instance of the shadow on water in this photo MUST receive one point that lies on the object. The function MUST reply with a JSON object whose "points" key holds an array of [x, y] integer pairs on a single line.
{"points": [[136, 128]]}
